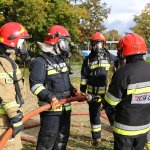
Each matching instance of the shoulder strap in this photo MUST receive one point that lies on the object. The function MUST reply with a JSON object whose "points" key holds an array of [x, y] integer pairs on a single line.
{"points": [[46, 58], [14, 77]]}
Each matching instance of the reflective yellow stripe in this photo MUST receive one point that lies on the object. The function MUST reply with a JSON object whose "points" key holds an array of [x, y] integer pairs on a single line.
{"points": [[17, 124], [83, 83], [10, 105], [50, 72], [147, 146], [68, 107], [5, 75], [99, 91], [99, 100], [130, 133], [107, 66], [96, 129], [138, 91], [2, 111], [38, 90], [111, 102]]}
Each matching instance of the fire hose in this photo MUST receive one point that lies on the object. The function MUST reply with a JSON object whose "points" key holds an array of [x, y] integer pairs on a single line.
{"points": [[37, 123], [9, 132]]}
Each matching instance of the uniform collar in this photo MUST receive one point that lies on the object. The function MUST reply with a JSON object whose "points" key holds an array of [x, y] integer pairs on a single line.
{"points": [[134, 58]]}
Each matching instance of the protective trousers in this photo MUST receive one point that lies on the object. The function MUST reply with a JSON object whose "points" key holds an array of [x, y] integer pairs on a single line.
{"points": [[94, 111], [127, 143], [54, 131]]}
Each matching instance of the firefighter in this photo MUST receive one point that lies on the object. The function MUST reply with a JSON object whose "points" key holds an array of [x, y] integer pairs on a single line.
{"points": [[128, 96], [50, 82], [93, 81], [12, 41]]}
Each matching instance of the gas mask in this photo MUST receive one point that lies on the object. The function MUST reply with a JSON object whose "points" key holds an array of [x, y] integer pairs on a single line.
{"points": [[97, 46], [22, 51], [21, 48], [63, 45]]}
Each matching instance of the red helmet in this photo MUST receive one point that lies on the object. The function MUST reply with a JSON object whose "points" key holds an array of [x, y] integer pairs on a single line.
{"points": [[11, 32], [119, 45], [97, 37], [55, 33], [132, 44]]}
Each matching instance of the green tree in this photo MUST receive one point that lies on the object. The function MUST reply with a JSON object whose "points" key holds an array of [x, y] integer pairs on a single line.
{"points": [[97, 13], [142, 21], [39, 15], [112, 35]]}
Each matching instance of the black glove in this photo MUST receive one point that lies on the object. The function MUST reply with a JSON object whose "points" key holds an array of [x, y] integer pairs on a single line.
{"points": [[16, 123], [93, 98]]}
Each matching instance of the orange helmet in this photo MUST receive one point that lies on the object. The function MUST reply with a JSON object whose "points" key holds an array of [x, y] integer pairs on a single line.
{"points": [[55, 33], [11, 32], [132, 44], [98, 37]]}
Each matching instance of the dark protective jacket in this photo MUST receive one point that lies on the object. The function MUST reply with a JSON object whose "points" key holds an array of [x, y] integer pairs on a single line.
{"points": [[49, 77], [129, 93], [94, 72]]}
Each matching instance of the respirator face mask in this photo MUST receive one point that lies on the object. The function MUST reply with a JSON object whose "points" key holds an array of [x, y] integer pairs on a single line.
{"points": [[98, 46], [63, 45], [21, 47]]}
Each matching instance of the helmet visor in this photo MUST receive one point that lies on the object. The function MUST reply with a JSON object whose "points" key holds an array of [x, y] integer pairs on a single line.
{"points": [[22, 44], [97, 46], [63, 45]]}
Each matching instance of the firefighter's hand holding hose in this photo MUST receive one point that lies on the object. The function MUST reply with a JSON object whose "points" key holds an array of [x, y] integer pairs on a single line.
{"points": [[16, 123], [55, 103]]}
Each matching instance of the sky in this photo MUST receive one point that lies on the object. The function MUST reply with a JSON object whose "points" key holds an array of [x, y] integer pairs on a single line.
{"points": [[122, 13]]}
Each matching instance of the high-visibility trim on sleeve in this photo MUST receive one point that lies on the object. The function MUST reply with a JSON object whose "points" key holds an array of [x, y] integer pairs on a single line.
{"points": [[39, 89], [17, 124], [10, 105], [112, 100], [83, 82]]}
